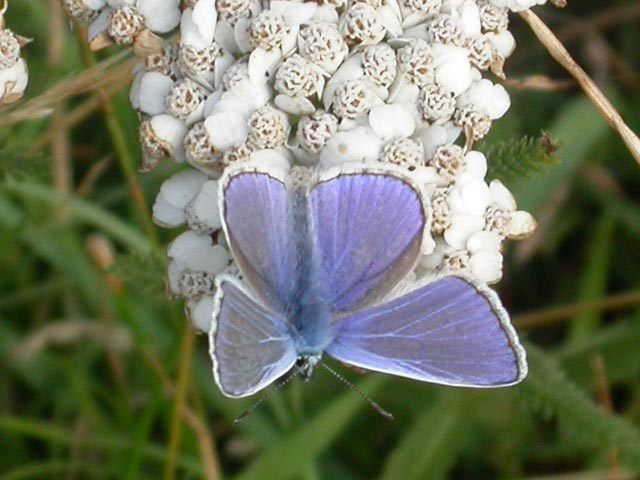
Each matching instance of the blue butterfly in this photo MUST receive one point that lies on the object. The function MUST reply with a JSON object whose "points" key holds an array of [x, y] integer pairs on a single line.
{"points": [[321, 256]]}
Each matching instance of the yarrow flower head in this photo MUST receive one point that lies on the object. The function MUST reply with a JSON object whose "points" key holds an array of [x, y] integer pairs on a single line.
{"points": [[284, 84], [132, 22]]}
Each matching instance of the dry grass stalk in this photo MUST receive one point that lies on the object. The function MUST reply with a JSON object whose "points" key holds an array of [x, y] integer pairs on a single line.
{"points": [[113, 70], [604, 106]]}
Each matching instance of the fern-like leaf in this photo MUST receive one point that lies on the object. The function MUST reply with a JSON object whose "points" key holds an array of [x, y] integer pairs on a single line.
{"points": [[513, 159], [142, 272], [549, 391]]}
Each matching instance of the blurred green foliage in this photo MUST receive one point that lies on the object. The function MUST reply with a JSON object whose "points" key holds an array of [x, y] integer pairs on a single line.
{"points": [[101, 379]]}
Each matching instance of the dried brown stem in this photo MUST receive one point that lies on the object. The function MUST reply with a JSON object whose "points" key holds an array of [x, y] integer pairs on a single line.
{"points": [[558, 314], [562, 56]]}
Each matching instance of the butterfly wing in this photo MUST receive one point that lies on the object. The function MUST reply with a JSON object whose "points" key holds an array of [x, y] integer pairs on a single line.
{"points": [[250, 345], [450, 332], [255, 214], [368, 225]]}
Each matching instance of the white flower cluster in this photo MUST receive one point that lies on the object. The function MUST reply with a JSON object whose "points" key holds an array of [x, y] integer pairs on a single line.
{"points": [[321, 83], [126, 22], [13, 68]]}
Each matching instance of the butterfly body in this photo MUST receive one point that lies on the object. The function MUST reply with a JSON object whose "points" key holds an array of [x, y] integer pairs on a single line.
{"points": [[321, 257], [305, 309]]}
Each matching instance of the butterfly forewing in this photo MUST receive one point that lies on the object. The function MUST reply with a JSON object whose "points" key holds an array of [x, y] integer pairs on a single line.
{"points": [[367, 229], [249, 344], [449, 331], [257, 222]]}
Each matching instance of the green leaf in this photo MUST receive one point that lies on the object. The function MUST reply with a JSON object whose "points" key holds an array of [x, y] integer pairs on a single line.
{"points": [[144, 272], [617, 345], [593, 281], [292, 455], [519, 158], [578, 128], [81, 211], [549, 390], [429, 447]]}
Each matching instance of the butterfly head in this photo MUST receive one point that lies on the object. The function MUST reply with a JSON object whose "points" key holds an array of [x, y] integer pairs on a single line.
{"points": [[306, 365]]}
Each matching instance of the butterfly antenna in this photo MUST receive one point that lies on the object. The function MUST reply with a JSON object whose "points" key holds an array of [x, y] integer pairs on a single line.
{"points": [[264, 397], [373, 404]]}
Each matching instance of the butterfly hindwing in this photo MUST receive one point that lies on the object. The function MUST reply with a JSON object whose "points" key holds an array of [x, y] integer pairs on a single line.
{"points": [[449, 332], [250, 345], [368, 225]]}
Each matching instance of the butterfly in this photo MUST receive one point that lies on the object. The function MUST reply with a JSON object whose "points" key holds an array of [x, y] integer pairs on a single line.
{"points": [[321, 256]]}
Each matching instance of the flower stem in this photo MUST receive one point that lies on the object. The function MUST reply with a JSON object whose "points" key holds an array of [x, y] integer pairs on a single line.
{"points": [[179, 401], [563, 312]]}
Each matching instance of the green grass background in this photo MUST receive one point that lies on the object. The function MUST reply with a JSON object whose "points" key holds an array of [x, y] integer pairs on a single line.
{"points": [[100, 378]]}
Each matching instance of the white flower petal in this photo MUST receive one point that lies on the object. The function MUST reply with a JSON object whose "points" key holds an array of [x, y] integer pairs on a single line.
{"points": [[174, 196], [426, 176], [484, 241], [198, 253], [244, 98], [433, 261], [204, 207], [201, 312], [226, 38], [170, 131], [486, 97], [241, 34], [211, 103], [222, 63], [94, 4], [167, 215], [325, 13], [120, 3], [183, 243], [13, 80], [403, 91], [428, 245], [154, 87], [134, 91], [390, 121], [463, 226], [476, 196], [390, 19], [189, 32], [522, 225], [205, 17], [486, 266], [503, 41], [271, 159], [294, 105], [226, 130], [100, 24], [262, 64], [453, 69], [469, 21], [160, 16], [174, 272], [182, 187], [432, 138], [475, 164], [294, 13], [501, 196], [357, 145]]}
